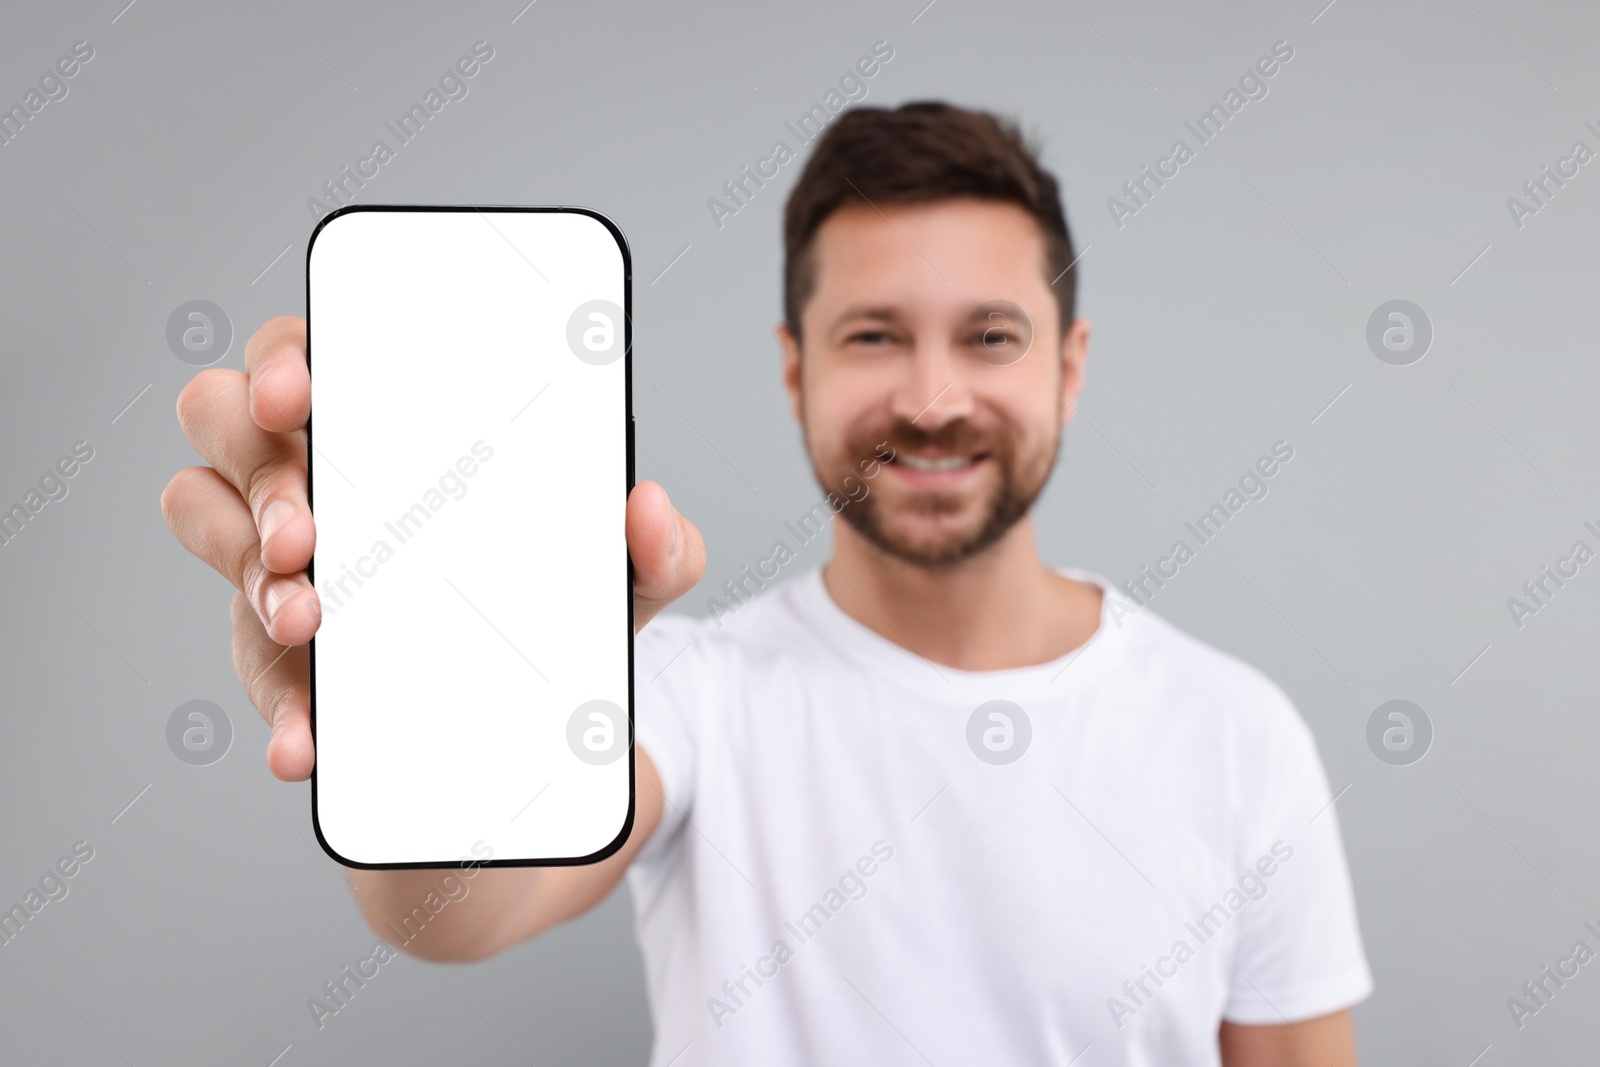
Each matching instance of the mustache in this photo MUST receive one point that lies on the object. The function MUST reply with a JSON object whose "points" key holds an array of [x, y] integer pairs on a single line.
{"points": [[903, 435]]}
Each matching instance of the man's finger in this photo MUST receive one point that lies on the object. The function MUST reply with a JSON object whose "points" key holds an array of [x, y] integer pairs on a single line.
{"points": [[667, 551], [211, 520], [268, 469], [277, 679], [280, 380]]}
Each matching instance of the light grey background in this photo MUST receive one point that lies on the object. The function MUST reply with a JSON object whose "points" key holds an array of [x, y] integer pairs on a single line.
{"points": [[1228, 314]]}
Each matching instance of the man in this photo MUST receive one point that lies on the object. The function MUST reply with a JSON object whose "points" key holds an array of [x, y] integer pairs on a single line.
{"points": [[935, 802]]}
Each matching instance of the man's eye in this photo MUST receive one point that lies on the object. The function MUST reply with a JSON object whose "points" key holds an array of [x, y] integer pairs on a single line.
{"points": [[869, 337]]}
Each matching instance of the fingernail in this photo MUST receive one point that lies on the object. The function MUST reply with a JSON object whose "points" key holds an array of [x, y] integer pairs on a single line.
{"points": [[277, 591], [273, 517], [675, 538]]}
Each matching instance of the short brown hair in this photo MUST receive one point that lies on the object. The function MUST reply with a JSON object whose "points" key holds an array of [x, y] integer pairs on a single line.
{"points": [[919, 152]]}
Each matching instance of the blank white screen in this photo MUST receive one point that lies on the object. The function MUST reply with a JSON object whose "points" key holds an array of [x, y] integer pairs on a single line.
{"points": [[469, 486]]}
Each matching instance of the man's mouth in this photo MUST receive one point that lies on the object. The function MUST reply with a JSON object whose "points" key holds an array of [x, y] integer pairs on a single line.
{"points": [[933, 469], [935, 463]]}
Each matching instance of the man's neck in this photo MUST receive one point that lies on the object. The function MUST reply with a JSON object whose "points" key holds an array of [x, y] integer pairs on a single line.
{"points": [[1000, 609]]}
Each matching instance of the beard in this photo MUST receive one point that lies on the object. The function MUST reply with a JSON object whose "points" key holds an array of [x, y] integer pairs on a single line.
{"points": [[889, 519]]}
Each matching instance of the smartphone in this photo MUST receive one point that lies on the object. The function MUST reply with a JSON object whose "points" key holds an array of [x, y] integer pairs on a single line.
{"points": [[470, 456]]}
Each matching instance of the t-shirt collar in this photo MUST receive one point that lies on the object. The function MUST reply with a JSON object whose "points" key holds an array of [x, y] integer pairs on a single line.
{"points": [[860, 643]]}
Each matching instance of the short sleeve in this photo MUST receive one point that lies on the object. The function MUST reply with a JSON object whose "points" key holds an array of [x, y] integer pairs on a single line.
{"points": [[668, 659], [1299, 953]]}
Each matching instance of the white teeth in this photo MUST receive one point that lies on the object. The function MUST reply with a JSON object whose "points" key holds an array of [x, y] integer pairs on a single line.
{"points": [[943, 463]]}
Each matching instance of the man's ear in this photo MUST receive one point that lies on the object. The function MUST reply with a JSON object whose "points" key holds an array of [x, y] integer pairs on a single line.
{"points": [[791, 368], [1074, 354]]}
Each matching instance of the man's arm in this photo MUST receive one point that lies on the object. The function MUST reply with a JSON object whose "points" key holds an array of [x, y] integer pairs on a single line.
{"points": [[1327, 1041], [248, 516], [509, 905]]}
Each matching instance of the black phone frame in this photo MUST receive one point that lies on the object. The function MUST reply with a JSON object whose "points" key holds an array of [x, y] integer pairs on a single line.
{"points": [[628, 424]]}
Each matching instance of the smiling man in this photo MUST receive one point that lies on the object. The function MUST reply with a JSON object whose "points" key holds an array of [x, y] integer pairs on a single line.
{"points": [[936, 802]]}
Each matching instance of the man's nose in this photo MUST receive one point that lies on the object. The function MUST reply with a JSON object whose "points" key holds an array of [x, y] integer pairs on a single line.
{"points": [[934, 390]]}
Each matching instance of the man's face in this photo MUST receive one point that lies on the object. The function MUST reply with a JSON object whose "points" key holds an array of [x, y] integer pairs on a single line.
{"points": [[933, 329]]}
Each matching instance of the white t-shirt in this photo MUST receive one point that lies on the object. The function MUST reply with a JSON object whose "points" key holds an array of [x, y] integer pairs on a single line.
{"points": [[840, 877]]}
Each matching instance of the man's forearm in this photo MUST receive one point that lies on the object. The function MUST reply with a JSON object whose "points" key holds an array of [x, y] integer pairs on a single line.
{"points": [[465, 913], [1326, 1041], [449, 914]]}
